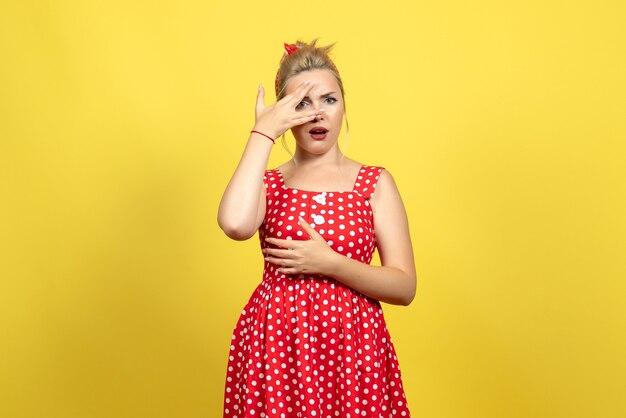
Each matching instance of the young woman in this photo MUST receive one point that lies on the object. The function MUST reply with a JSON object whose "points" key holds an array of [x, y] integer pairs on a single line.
{"points": [[312, 340]]}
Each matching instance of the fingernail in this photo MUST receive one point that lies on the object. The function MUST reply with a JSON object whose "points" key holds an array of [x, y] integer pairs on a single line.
{"points": [[301, 220]]}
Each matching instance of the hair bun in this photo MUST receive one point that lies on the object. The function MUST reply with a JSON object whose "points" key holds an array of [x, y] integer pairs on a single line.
{"points": [[310, 57]]}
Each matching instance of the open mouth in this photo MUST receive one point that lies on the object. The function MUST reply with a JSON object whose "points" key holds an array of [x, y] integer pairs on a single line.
{"points": [[318, 131]]}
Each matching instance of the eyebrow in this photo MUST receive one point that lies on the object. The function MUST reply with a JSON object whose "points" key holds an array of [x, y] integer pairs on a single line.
{"points": [[323, 95]]}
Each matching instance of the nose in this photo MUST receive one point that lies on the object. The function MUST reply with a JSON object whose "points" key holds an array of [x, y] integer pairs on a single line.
{"points": [[320, 114]]}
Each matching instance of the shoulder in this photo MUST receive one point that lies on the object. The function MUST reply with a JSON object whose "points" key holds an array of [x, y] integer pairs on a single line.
{"points": [[376, 170], [386, 187], [385, 177], [369, 175], [270, 174], [272, 179], [374, 174]]}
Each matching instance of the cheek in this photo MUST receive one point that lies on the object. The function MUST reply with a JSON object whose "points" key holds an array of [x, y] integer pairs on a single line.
{"points": [[333, 111], [336, 115]]}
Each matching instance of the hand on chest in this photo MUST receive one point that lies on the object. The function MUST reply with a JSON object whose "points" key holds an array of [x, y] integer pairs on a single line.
{"points": [[343, 219]]}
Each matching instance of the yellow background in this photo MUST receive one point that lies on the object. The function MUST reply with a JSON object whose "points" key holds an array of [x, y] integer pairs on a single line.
{"points": [[122, 121]]}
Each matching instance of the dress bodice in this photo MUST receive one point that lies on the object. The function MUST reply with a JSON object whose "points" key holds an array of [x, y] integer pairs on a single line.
{"points": [[343, 218]]}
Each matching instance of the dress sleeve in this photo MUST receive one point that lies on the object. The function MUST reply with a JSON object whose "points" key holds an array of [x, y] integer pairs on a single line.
{"points": [[270, 181], [265, 180], [367, 180]]}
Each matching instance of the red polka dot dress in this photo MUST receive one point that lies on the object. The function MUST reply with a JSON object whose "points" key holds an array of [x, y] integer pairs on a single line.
{"points": [[308, 346]]}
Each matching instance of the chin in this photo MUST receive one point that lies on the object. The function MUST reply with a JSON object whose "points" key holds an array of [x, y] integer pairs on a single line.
{"points": [[319, 147]]}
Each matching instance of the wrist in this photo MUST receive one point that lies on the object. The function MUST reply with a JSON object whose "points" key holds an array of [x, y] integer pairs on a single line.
{"points": [[267, 131], [333, 263], [262, 134]]}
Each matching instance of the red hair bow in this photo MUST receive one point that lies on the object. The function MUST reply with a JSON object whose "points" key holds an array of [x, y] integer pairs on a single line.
{"points": [[291, 48]]}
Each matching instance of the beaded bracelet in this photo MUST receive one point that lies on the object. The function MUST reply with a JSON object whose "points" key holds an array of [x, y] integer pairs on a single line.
{"points": [[267, 136]]}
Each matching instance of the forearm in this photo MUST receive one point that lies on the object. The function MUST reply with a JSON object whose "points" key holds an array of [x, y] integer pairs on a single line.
{"points": [[239, 206], [384, 283]]}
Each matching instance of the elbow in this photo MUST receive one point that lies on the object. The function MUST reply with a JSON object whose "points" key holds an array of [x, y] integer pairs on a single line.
{"points": [[236, 231], [238, 235], [406, 301], [409, 296]]}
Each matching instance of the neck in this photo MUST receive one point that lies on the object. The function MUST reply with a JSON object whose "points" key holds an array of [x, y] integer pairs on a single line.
{"points": [[306, 159]]}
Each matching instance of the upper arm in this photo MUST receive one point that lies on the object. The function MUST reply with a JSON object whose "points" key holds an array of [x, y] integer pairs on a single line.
{"points": [[391, 226], [260, 216]]}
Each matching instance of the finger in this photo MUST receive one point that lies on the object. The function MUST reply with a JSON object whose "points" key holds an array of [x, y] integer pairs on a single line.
{"points": [[309, 229], [278, 261], [286, 270], [304, 119], [284, 243], [279, 253], [260, 98], [302, 91]]}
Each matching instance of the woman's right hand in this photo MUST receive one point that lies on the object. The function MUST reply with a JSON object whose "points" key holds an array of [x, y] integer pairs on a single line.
{"points": [[276, 119]]}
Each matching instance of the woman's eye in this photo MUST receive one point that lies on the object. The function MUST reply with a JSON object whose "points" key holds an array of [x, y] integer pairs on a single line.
{"points": [[331, 100], [301, 104]]}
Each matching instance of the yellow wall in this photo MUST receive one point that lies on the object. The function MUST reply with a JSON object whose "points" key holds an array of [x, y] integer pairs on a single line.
{"points": [[121, 122]]}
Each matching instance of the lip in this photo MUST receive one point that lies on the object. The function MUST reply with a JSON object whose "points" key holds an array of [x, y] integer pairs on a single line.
{"points": [[318, 128]]}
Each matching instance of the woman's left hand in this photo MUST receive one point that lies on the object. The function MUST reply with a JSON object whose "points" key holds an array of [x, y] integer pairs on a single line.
{"points": [[301, 256]]}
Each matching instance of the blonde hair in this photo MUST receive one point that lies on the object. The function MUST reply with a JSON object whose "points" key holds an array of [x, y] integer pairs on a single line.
{"points": [[307, 57]]}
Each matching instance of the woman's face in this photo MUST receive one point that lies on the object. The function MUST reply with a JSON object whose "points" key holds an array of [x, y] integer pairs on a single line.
{"points": [[320, 134]]}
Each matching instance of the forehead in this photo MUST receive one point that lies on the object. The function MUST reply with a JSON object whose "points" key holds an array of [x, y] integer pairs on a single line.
{"points": [[324, 81]]}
